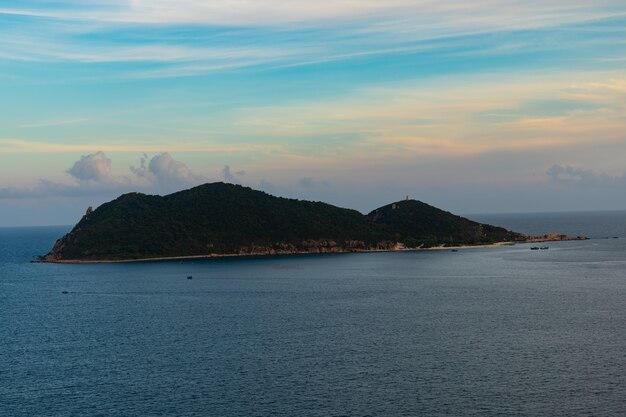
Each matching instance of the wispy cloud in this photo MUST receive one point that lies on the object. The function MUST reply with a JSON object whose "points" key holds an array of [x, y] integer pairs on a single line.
{"points": [[43, 49], [11, 145], [44, 189], [444, 117], [481, 114], [272, 12], [228, 35], [53, 123]]}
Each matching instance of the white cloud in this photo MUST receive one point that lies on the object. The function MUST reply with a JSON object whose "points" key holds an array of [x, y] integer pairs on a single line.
{"points": [[164, 171], [456, 13], [290, 33], [41, 48], [96, 168]]}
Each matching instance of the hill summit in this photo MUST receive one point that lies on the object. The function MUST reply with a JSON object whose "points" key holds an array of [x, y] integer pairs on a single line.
{"points": [[219, 219]]}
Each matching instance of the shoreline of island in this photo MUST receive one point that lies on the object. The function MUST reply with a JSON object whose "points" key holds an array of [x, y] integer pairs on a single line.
{"points": [[398, 248]]}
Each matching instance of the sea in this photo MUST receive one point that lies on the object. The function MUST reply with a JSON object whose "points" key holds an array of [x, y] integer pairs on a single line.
{"points": [[480, 332]]}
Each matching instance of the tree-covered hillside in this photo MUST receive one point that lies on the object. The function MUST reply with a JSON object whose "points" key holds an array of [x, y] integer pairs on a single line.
{"points": [[413, 223], [223, 218]]}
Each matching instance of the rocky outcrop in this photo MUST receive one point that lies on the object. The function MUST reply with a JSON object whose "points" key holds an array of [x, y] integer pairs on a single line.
{"points": [[57, 252], [553, 237]]}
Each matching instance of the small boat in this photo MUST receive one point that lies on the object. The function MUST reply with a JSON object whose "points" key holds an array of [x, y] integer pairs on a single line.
{"points": [[189, 277], [535, 248], [544, 247], [454, 250], [64, 292]]}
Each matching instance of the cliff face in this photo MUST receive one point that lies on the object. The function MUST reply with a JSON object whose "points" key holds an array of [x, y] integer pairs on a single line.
{"points": [[65, 242], [223, 219]]}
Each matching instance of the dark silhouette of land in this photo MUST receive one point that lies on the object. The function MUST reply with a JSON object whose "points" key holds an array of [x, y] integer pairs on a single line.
{"points": [[221, 219]]}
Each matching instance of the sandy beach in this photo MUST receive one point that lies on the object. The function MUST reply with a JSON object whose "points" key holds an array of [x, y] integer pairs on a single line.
{"points": [[237, 255]]}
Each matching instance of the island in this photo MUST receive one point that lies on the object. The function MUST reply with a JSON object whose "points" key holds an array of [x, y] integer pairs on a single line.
{"points": [[221, 219]]}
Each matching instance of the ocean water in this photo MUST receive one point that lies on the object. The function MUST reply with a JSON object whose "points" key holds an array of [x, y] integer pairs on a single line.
{"points": [[504, 331], [591, 224]]}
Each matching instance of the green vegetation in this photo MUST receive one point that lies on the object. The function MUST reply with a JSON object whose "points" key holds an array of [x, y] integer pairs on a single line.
{"points": [[418, 224], [223, 218]]}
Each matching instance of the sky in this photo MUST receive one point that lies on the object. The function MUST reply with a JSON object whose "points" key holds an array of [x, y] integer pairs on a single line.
{"points": [[475, 107]]}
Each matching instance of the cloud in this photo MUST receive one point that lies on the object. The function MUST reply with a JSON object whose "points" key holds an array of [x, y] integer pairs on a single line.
{"points": [[14, 145], [567, 174], [95, 167], [450, 116], [92, 175], [53, 123], [231, 177], [332, 31], [164, 171], [309, 183], [277, 12], [22, 192], [45, 188]]}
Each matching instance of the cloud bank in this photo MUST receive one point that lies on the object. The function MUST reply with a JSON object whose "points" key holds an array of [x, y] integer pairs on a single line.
{"points": [[567, 174], [92, 175]]}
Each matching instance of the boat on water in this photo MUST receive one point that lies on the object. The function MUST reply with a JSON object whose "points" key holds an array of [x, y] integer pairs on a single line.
{"points": [[544, 247], [534, 248]]}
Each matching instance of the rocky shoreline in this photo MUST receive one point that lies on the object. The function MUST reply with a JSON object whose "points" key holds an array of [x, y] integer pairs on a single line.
{"points": [[553, 237], [319, 248]]}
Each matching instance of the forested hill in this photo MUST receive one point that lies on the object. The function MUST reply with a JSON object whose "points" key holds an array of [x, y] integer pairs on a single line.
{"points": [[416, 223], [222, 219]]}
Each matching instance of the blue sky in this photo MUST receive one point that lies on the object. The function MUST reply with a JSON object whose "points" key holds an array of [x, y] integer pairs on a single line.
{"points": [[492, 106]]}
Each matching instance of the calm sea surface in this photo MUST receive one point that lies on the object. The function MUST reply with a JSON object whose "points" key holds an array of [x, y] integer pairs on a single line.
{"points": [[504, 331]]}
